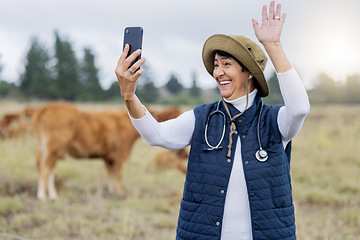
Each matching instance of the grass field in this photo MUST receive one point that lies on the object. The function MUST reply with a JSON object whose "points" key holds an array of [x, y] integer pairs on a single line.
{"points": [[325, 175]]}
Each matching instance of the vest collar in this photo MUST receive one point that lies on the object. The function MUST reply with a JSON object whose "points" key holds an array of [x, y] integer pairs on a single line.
{"points": [[248, 116]]}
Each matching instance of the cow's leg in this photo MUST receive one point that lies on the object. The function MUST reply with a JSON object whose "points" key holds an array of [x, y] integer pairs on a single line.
{"points": [[114, 173], [118, 179], [51, 185], [110, 171], [180, 164], [46, 177], [42, 182], [41, 190]]}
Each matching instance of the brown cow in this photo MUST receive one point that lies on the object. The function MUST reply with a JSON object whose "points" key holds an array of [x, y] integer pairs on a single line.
{"points": [[16, 124], [29, 111], [13, 125], [172, 159], [62, 128], [167, 113], [5, 123]]}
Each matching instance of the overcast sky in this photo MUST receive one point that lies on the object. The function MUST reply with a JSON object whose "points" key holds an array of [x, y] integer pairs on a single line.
{"points": [[318, 35]]}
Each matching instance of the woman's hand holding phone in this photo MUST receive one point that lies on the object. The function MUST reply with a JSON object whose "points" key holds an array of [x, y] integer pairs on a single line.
{"points": [[128, 70], [127, 75]]}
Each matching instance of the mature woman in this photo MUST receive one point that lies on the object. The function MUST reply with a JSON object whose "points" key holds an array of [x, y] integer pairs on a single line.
{"points": [[238, 180]]}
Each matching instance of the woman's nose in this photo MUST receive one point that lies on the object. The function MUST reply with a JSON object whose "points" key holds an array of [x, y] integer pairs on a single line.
{"points": [[219, 71]]}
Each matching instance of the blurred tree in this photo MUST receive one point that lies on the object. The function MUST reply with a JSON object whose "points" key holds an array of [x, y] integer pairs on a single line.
{"points": [[326, 90], [146, 90], [4, 89], [195, 91], [36, 81], [91, 90], [8, 90], [275, 96], [66, 68], [173, 85], [352, 89], [114, 91]]}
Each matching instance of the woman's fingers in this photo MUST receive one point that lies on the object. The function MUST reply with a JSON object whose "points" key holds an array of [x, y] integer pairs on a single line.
{"points": [[264, 13], [120, 68], [282, 19], [274, 14], [123, 67], [131, 58], [271, 10], [278, 12], [135, 66], [124, 61], [124, 54], [255, 25]]}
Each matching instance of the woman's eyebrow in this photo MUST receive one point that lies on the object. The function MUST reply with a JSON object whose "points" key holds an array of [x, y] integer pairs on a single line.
{"points": [[222, 58]]}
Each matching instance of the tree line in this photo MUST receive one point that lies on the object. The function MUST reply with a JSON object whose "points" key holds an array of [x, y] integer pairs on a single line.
{"points": [[57, 74], [327, 90]]}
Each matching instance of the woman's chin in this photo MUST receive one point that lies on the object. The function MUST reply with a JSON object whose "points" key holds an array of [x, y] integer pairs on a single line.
{"points": [[225, 96]]}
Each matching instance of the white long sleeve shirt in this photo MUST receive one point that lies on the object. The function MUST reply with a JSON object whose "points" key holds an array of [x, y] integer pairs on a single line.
{"points": [[177, 133]]}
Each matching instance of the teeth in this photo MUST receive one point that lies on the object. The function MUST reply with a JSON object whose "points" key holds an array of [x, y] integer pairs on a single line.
{"points": [[225, 82]]}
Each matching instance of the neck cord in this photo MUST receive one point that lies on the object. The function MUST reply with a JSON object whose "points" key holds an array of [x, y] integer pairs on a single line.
{"points": [[232, 125]]}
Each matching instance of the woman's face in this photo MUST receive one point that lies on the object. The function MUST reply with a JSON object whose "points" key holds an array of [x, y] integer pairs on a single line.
{"points": [[230, 78]]}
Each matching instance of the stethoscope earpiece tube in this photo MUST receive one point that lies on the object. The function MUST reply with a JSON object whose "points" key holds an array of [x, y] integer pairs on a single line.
{"points": [[217, 147], [261, 154]]}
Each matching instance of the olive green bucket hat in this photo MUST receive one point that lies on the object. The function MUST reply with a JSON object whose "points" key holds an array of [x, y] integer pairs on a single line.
{"points": [[243, 49]]}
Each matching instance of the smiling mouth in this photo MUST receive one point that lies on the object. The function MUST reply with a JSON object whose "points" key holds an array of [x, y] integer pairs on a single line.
{"points": [[224, 82]]}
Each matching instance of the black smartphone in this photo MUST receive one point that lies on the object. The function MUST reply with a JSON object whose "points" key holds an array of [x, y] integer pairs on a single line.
{"points": [[133, 36]]}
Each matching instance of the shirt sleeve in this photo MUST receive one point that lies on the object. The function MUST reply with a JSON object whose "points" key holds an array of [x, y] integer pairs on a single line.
{"points": [[297, 106], [172, 134]]}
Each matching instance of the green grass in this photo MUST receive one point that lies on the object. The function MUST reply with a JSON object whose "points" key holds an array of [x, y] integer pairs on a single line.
{"points": [[325, 176], [84, 209]]}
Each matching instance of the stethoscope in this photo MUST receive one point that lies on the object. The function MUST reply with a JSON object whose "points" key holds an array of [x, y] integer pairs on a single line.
{"points": [[217, 111], [261, 154]]}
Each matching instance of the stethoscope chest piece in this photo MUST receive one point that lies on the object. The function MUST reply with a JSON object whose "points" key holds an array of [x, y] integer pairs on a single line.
{"points": [[261, 155]]}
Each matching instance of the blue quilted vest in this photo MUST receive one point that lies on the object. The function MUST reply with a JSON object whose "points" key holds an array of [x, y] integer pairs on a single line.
{"points": [[208, 173]]}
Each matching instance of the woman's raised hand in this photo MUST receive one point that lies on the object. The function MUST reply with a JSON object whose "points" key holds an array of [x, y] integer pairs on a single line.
{"points": [[269, 36], [271, 26], [127, 77]]}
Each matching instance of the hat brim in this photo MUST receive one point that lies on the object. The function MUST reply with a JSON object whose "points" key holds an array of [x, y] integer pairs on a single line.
{"points": [[240, 52]]}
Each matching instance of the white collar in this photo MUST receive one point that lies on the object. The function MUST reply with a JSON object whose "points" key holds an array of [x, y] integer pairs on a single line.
{"points": [[240, 102]]}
